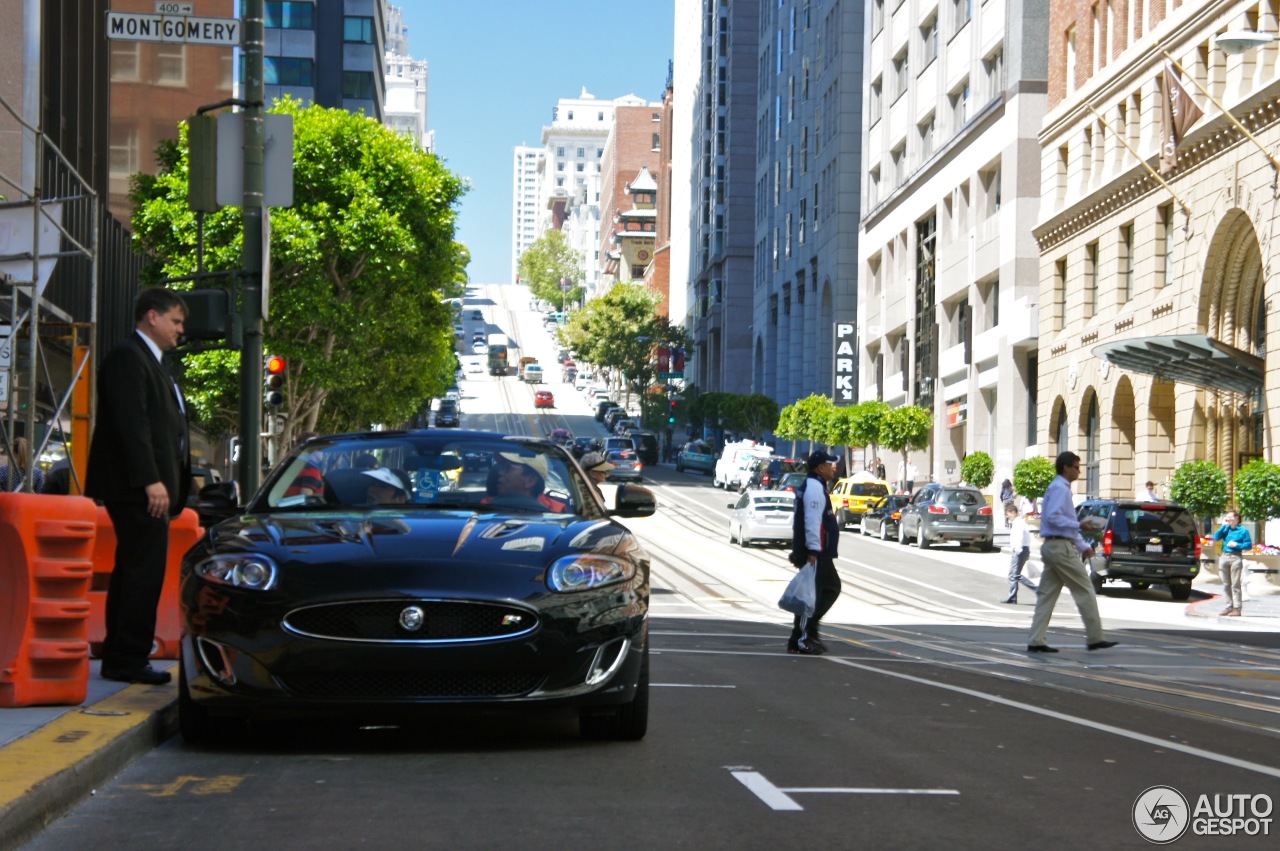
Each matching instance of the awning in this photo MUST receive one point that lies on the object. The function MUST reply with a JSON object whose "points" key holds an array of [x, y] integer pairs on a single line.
{"points": [[1188, 359]]}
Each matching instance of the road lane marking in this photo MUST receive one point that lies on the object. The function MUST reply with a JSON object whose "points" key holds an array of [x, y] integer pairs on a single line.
{"points": [[779, 798], [687, 685], [1167, 744]]}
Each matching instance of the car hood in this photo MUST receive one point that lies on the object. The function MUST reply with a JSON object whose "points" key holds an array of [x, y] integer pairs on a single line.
{"points": [[415, 536]]}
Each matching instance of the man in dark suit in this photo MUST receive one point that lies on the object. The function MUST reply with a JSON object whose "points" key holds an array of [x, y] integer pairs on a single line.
{"points": [[139, 470]]}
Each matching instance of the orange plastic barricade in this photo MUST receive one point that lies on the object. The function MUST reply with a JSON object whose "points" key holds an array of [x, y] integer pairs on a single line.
{"points": [[184, 531], [46, 551]]}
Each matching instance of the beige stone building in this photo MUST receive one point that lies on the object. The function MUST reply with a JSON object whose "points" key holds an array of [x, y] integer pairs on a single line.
{"points": [[1154, 305]]}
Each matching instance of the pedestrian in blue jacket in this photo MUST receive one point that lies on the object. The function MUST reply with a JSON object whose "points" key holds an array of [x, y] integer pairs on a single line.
{"points": [[1235, 541]]}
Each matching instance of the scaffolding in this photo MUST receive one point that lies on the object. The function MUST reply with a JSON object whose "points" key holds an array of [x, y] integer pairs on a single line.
{"points": [[57, 217]]}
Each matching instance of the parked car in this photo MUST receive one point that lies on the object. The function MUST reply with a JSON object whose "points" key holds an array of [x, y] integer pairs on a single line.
{"points": [[365, 602], [762, 517], [580, 446], [561, 436], [618, 443], [477, 337], [765, 472], [696, 455], [447, 415], [947, 513], [852, 496], [612, 416], [735, 461], [792, 481], [477, 316], [1142, 543], [602, 408], [627, 466], [544, 399], [882, 517], [622, 425], [480, 348], [646, 446]]}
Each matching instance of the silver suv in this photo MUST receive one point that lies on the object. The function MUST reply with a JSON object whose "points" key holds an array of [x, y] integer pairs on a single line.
{"points": [[947, 513]]}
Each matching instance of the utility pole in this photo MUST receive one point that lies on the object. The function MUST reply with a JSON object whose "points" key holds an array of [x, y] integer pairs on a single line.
{"points": [[251, 306]]}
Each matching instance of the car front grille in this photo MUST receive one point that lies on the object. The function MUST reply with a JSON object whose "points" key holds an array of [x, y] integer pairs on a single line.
{"points": [[409, 685], [395, 620]]}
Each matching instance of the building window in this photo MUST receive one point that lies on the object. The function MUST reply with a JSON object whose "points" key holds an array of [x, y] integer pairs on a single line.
{"points": [[802, 220], [582, 152], [928, 42], [288, 71], [899, 156], [791, 167], [171, 64], [993, 71], [1059, 293], [289, 15], [124, 154], [580, 166], [657, 141], [357, 30], [788, 237], [901, 75], [1165, 277], [961, 11], [1072, 59], [1126, 262], [874, 107], [926, 138], [125, 64], [1090, 280], [804, 150], [357, 85], [877, 17], [959, 107]]}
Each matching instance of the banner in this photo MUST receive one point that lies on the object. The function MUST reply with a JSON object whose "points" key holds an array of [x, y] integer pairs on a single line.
{"points": [[1179, 113]]}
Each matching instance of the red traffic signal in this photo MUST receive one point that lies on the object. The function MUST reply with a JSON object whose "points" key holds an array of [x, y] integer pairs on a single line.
{"points": [[273, 381], [274, 365]]}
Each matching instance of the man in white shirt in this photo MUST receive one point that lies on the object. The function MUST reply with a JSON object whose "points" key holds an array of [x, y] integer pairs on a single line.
{"points": [[1019, 551], [1148, 493], [1061, 554]]}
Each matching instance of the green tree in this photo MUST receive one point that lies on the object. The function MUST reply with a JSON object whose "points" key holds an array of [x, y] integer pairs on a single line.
{"points": [[788, 427], [1032, 476], [1258, 492], [1201, 487], [977, 468], [621, 330], [906, 428], [750, 415], [839, 429], [361, 266], [810, 417], [548, 261], [866, 418]]}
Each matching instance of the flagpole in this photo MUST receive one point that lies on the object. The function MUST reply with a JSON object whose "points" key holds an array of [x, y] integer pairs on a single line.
{"points": [[1144, 162], [1275, 164]]}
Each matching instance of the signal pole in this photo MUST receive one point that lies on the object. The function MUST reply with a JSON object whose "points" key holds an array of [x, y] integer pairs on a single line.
{"points": [[251, 307]]}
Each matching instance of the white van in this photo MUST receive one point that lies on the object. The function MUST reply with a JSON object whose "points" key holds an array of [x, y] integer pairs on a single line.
{"points": [[736, 461]]}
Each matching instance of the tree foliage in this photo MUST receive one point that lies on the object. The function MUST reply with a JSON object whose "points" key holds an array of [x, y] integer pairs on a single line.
{"points": [[749, 415], [1258, 490], [546, 263], [621, 330], [864, 423], [977, 468], [360, 268], [906, 428], [1032, 476], [1201, 487]]}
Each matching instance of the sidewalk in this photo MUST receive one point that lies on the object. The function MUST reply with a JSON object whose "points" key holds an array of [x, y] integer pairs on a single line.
{"points": [[51, 757]]}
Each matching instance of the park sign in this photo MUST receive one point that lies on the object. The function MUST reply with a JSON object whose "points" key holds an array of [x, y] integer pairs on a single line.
{"points": [[845, 367], [179, 29]]}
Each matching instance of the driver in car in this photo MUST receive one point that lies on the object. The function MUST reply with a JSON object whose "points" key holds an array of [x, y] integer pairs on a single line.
{"points": [[518, 475]]}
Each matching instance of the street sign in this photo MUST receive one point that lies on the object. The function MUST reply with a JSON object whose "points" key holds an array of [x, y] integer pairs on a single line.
{"points": [[164, 7], [6, 347], [180, 29], [671, 375]]}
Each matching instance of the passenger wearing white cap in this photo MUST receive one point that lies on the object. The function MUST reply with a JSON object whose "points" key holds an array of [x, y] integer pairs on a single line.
{"points": [[517, 475], [597, 467], [385, 487]]}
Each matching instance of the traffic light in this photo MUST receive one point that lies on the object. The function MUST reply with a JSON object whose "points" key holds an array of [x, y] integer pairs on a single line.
{"points": [[273, 381], [671, 414]]}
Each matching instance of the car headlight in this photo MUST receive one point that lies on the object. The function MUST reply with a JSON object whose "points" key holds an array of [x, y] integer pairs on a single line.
{"points": [[255, 572], [581, 572]]}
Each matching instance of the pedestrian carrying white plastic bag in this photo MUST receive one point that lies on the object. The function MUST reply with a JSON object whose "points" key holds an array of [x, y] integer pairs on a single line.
{"points": [[801, 595]]}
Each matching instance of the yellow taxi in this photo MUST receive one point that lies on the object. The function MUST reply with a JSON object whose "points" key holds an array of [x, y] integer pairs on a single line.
{"points": [[852, 496]]}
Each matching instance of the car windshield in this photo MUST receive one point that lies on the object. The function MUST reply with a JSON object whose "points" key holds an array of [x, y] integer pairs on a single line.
{"points": [[961, 498], [774, 502], [427, 470]]}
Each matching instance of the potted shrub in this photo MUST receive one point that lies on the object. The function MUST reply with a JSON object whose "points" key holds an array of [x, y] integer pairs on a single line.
{"points": [[1258, 493], [1032, 477], [1200, 487], [976, 469]]}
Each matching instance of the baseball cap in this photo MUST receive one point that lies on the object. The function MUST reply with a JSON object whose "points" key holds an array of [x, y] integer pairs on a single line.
{"points": [[817, 458], [387, 477], [595, 462]]}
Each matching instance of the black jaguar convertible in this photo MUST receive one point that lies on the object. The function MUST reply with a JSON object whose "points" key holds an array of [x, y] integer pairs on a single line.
{"points": [[387, 573]]}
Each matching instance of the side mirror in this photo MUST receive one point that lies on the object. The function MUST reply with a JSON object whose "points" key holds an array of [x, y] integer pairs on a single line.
{"points": [[731, 505], [634, 501], [217, 502]]}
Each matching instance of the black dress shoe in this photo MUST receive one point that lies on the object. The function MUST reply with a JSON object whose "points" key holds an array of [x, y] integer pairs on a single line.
{"points": [[146, 675], [1102, 645], [1041, 648], [1013, 602]]}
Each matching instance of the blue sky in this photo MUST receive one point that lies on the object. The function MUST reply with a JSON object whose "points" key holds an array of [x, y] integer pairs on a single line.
{"points": [[497, 69]]}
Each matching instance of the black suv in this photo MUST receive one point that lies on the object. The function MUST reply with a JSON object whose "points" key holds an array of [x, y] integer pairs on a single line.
{"points": [[646, 446], [1142, 543]]}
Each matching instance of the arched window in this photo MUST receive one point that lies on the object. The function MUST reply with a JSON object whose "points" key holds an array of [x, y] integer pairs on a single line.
{"points": [[1091, 481]]}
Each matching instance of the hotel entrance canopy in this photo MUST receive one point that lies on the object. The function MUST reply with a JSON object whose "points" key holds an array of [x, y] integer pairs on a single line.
{"points": [[1188, 359]]}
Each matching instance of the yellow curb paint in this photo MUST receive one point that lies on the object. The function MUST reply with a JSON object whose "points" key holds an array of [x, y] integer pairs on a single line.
{"points": [[65, 741], [1258, 675]]}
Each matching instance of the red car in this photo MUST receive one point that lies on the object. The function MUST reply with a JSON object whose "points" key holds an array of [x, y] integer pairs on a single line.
{"points": [[544, 399]]}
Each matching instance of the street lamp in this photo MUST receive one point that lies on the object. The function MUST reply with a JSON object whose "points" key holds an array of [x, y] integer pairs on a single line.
{"points": [[1235, 42]]}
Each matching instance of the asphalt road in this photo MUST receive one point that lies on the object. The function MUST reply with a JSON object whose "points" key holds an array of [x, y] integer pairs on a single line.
{"points": [[927, 726]]}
